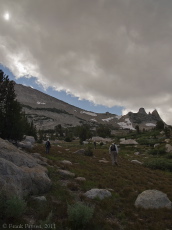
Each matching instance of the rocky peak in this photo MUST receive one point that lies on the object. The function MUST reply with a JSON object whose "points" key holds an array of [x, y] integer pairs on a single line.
{"points": [[142, 111], [156, 114]]}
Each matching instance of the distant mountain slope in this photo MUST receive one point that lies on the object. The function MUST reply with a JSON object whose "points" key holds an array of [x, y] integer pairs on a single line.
{"points": [[47, 112]]}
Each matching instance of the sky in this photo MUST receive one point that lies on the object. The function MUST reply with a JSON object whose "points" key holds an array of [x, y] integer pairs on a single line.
{"points": [[101, 55]]}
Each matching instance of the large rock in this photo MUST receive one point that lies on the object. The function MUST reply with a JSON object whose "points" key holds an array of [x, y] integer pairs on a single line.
{"points": [[20, 173], [30, 139], [153, 199], [100, 193], [129, 142], [27, 143]]}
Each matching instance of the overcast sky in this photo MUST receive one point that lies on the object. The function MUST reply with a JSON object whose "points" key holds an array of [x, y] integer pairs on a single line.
{"points": [[110, 52]]}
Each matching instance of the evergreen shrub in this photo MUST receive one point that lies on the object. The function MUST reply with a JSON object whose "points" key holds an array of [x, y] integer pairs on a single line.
{"points": [[79, 215]]}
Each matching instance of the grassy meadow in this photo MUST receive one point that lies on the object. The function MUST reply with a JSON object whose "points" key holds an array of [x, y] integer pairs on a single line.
{"points": [[125, 182]]}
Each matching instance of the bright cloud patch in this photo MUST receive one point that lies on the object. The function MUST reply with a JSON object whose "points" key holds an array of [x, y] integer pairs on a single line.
{"points": [[89, 113]]}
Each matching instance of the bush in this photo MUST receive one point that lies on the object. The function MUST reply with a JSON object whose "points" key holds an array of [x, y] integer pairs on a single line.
{"points": [[67, 139], [162, 164], [2, 205], [158, 151], [46, 223], [88, 152], [145, 141], [169, 156], [79, 215], [15, 207]]}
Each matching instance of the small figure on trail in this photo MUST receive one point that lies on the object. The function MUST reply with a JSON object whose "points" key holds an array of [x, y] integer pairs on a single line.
{"points": [[113, 150], [94, 144], [48, 146]]}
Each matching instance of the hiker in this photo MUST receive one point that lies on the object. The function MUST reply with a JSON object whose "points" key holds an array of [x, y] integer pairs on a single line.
{"points": [[113, 150], [48, 146], [94, 144]]}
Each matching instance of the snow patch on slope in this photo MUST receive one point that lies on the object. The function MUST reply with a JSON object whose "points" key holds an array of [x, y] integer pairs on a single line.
{"points": [[89, 113], [41, 103], [126, 125], [150, 124], [108, 119]]}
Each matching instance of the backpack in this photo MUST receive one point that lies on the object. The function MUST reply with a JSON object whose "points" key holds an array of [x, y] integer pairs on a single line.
{"points": [[113, 148], [47, 144]]}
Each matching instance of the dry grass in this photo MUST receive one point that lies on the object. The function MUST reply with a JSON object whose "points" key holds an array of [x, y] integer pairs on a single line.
{"points": [[127, 181]]}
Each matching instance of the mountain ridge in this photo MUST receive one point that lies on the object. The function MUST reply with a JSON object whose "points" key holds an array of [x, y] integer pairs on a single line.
{"points": [[47, 112]]}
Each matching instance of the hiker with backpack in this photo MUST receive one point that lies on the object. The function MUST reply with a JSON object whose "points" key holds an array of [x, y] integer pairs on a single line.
{"points": [[113, 151], [47, 146]]}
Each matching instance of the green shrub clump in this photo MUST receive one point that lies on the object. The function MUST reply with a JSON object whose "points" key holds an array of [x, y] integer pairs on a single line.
{"points": [[88, 152], [79, 215], [162, 164], [13, 207], [157, 151]]}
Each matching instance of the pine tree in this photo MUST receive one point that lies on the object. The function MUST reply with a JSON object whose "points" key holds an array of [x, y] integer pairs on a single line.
{"points": [[13, 122]]}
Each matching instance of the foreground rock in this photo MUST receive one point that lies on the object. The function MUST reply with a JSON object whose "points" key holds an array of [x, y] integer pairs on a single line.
{"points": [[153, 199], [20, 173], [100, 193]]}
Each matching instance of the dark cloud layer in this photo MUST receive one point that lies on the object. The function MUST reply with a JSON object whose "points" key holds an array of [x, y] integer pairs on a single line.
{"points": [[111, 52]]}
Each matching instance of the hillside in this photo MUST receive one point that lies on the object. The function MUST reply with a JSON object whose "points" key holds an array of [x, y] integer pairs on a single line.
{"points": [[47, 112]]}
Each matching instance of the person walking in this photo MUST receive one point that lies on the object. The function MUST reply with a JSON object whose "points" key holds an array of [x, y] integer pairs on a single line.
{"points": [[48, 146], [113, 151], [94, 144]]}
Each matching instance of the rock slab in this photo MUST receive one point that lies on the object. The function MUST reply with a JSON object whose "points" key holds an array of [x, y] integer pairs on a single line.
{"points": [[153, 199], [20, 173], [100, 193]]}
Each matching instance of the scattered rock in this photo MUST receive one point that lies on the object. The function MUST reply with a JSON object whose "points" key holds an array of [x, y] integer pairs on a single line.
{"points": [[65, 162], [162, 132], [85, 142], [129, 142], [103, 161], [101, 139], [39, 198], [66, 173], [156, 145], [167, 140], [80, 179], [100, 193], [168, 148], [136, 153], [153, 199], [136, 162], [80, 151]]}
